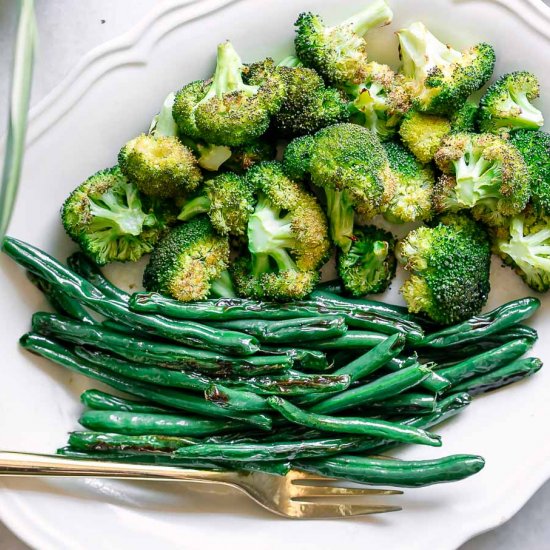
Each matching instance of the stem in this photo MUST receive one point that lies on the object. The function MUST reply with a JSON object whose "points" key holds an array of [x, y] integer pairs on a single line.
{"points": [[376, 14], [194, 207]]}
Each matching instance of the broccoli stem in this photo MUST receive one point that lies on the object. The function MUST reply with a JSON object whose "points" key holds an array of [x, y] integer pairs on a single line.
{"points": [[477, 178], [196, 206], [290, 61], [164, 124], [376, 14], [228, 75], [213, 156], [222, 287], [341, 217], [529, 116], [129, 218]]}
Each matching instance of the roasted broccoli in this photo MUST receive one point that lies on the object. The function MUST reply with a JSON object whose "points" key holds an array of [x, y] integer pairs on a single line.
{"points": [[535, 149], [439, 77], [297, 157], [228, 200], [107, 218], [308, 105], [339, 53], [187, 260], [465, 119], [351, 166], [524, 244], [287, 238], [449, 265], [414, 183], [506, 105], [226, 110], [380, 101], [369, 265], [422, 134], [158, 163], [484, 173]]}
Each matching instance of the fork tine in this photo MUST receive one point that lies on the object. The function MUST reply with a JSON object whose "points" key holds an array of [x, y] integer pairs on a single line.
{"points": [[320, 510], [298, 476], [318, 491]]}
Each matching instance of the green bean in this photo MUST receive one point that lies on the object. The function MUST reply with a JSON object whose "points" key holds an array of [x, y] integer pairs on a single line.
{"points": [[94, 441], [435, 382], [370, 314], [156, 353], [357, 313], [308, 360], [379, 390], [396, 473], [83, 266], [151, 375], [259, 452], [354, 425], [486, 362], [130, 423], [405, 403], [291, 383], [59, 301], [280, 468], [365, 364], [504, 376], [352, 340], [102, 401], [115, 326], [481, 326], [76, 287], [304, 329], [235, 400], [177, 399]]}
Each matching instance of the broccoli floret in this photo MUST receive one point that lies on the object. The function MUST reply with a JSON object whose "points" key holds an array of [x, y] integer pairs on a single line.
{"points": [[158, 163], [350, 164], [482, 172], [465, 119], [449, 265], [187, 260], [506, 105], [226, 110], [423, 133], [107, 218], [228, 200], [380, 101], [287, 238], [524, 244], [297, 157], [439, 77], [369, 265], [339, 53], [535, 149], [414, 183], [223, 286], [308, 105]]}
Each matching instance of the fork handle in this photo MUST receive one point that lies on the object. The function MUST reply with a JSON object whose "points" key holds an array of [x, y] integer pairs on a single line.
{"points": [[16, 464]]}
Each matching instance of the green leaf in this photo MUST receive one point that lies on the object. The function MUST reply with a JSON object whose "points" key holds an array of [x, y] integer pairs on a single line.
{"points": [[18, 110]]}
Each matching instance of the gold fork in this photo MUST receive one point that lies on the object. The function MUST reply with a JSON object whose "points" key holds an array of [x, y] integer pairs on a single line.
{"points": [[287, 495]]}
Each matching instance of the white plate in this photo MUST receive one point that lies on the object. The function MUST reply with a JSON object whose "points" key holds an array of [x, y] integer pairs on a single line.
{"points": [[77, 130]]}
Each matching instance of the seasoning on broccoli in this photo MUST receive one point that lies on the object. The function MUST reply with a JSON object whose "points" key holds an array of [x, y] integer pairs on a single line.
{"points": [[380, 101], [449, 265], [484, 173], [158, 163], [187, 260], [369, 265], [106, 216], [414, 183], [440, 78], [506, 105], [423, 133]]}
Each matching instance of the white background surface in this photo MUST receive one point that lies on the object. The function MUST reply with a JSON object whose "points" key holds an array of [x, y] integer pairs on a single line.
{"points": [[67, 30]]}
